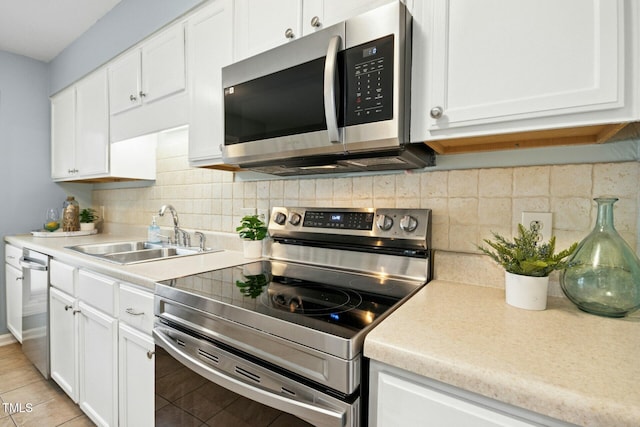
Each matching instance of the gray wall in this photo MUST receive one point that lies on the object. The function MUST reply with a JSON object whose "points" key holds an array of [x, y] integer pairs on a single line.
{"points": [[125, 25], [26, 189]]}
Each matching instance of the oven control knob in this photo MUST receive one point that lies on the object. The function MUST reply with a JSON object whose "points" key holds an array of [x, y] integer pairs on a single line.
{"points": [[408, 223], [279, 218], [384, 222], [295, 218]]}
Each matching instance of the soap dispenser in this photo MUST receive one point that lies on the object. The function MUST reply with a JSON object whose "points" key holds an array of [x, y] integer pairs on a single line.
{"points": [[153, 234]]}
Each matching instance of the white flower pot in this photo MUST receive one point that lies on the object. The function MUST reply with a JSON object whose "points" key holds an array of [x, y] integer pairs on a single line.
{"points": [[87, 226], [252, 248], [526, 292]]}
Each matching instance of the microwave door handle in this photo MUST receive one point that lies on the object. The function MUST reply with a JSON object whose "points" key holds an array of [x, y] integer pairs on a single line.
{"points": [[330, 71]]}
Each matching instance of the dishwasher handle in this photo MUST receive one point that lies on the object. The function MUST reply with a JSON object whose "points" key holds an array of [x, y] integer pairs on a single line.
{"points": [[32, 264]]}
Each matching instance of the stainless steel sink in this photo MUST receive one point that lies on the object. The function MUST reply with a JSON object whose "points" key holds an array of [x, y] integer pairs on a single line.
{"points": [[136, 252]]}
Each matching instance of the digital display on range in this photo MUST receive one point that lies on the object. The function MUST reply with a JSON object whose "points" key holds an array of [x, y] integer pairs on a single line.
{"points": [[370, 51], [339, 220]]}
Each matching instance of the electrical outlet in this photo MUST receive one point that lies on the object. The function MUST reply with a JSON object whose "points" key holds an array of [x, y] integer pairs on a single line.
{"points": [[542, 222]]}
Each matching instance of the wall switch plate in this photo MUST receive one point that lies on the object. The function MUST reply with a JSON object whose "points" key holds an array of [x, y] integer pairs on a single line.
{"points": [[542, 222]]}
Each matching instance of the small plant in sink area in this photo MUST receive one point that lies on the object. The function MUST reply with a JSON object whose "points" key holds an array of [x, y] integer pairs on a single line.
{"points": [[88, 215], [527, 265], [252, 227], [252, 231]]}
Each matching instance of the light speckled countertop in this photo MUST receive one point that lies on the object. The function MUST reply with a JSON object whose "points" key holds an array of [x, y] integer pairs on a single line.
{"points": [[560, 362], [143, 274]]}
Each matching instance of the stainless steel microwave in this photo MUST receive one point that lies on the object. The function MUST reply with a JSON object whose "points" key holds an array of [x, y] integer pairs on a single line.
{"points": [[337, 100]]}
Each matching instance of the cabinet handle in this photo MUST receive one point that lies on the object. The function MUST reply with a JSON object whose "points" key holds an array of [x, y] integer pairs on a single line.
{"points": [[150, 354], [133, 312], [132, 98], [436, 112], [11, 257], [19, 278], [289, 33], [76, 311], [142, 94], [68, 307], [315, 22]]}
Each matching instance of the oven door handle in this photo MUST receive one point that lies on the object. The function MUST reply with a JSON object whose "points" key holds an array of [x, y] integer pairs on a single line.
{"points": [[321, 417]]}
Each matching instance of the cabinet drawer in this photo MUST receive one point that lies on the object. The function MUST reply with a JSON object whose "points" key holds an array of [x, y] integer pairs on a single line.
{"points": [[136, 308], [62, 276], [12, 256], [99, 291]]}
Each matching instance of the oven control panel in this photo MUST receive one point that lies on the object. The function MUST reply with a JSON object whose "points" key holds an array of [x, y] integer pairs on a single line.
{"points": [[370, 222]]}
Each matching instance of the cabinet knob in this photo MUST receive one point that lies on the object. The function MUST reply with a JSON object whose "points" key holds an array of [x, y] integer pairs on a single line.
{"points": [[289, 33], [150, 354], [132, 98], [315, 22], [436, 112]]}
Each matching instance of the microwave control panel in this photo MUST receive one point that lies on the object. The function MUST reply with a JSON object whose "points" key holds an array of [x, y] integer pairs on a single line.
{"points": [[369, 71]]}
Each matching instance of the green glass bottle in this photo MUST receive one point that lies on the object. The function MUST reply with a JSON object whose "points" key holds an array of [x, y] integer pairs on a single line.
{"points": [[603, 275]]}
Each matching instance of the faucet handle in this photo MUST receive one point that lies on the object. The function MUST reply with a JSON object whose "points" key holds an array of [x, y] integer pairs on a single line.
{"points": [[203, 239]]}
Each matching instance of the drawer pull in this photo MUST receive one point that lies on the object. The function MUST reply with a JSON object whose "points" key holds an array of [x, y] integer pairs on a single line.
{"points": [[76, 311], [133, 312], [68, 307], [150, 354]]}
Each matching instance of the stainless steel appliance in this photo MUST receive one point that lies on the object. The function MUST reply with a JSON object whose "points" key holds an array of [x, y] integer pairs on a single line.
{"points": [[289, 331], [337, 100], [35, 309]]}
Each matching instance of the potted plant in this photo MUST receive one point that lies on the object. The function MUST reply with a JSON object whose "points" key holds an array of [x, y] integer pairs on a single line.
{"points": [[252, 230], [88, 217], [527, 265]]}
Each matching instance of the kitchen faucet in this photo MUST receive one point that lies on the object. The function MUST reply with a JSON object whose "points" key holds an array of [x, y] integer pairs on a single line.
{"points": [[177, 231]]}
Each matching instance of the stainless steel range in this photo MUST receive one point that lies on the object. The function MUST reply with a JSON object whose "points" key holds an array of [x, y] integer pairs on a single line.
{"points": [[288, 331]]}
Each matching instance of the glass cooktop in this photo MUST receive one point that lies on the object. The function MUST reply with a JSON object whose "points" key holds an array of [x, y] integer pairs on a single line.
{"points": [[334, 301]]}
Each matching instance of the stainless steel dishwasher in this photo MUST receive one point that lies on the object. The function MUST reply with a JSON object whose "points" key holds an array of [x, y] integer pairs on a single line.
{"points": [[35, 309]]}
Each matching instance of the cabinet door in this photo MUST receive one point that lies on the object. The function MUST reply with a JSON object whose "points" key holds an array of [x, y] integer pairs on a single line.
{"points": [[98, 365], [329, 12], [63, 134], [401, 402], [124, 83], [137, 380], [210, 30], [499, 61], [163, 64], [13, 284], [92, 130], [261, 25], [63, 341]]}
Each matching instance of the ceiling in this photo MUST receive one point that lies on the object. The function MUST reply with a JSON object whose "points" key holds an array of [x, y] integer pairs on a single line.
{"points": [[41, 29]]}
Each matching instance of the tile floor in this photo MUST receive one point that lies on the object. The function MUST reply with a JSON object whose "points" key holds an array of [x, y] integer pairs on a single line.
{"points": [[27, 399], [183, 398]]}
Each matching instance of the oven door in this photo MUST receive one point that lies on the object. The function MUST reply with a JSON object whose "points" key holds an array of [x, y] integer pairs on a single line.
{"points": [[236, 376]]}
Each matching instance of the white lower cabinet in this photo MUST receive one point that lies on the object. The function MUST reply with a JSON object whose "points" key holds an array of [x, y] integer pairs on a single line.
{"points": [[13, 284], [102, 352], [401, 398], [98, 365], [136, 385], [64, 341]]}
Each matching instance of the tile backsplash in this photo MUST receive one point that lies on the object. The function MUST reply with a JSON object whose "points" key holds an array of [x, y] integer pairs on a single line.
{"points": [[467, 204]]}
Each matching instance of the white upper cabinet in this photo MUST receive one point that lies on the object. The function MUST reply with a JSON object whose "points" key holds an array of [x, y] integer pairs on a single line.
{"points": [[500, 66], [80, 129], [151, 72], [209, 31], [147, 86], [260, 25]]}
